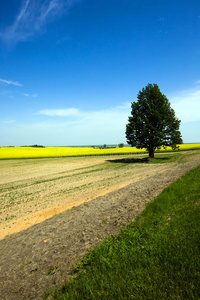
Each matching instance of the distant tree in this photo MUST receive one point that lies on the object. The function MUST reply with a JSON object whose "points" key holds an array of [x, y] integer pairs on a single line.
{"points": [[152, 123], [121, 145], [37, 146]]}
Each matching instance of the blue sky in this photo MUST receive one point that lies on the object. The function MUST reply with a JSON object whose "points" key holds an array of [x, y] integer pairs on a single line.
{"points": [[69, 69]]}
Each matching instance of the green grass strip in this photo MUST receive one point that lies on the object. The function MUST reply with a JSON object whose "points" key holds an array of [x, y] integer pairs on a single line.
{"points": [[155, 257]]}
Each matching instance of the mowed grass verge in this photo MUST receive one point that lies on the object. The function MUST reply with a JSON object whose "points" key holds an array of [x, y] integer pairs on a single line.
{"points": [[155, 257]]}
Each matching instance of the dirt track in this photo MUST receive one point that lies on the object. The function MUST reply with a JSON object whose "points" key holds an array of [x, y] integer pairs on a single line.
{"points": [[40, 257]]}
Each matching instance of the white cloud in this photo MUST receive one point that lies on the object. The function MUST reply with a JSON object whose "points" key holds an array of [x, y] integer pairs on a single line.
{"points": [[102, 116], [70, 126], [59, 112], [9, 121], [32, 17], [10, 82], [92, 128], [6, 93], [34, 95], [187, 104], [197, 82], [28, 95], [125, 106]]}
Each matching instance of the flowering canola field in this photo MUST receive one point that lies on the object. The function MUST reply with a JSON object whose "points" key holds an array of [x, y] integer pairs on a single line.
{"points": [[34, 152], [37, 152]]}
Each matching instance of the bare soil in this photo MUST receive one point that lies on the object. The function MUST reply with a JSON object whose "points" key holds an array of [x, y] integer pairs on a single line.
{"points": [[34, 190], [40, 257]]}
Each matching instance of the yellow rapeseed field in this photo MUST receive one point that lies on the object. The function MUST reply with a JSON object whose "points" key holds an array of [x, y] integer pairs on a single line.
{"points": [[34, 152], [37, 152]]}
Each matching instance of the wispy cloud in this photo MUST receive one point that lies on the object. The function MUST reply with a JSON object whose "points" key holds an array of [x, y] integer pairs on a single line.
{"points": [[16, 83], [60, 112], [101, 116], [94, 126], [187, 104], [32, 17], [9, 91], [7, 94], [71, 126], [8, 121], [29, 95]]}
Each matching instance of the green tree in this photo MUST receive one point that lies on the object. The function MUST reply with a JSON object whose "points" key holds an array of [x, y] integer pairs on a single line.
{"points": [[152, 123], [121, 145]]}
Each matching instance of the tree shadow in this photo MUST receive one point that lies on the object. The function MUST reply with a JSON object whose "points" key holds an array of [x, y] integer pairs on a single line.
{"points": [[139, 160], [129, 160]]}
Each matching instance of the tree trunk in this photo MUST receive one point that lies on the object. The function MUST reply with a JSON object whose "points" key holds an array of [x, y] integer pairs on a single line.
{"points": [[151, 153], [151, 149]]}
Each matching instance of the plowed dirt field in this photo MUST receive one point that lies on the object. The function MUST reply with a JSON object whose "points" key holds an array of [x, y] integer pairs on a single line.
{"points": [[41, 236]]}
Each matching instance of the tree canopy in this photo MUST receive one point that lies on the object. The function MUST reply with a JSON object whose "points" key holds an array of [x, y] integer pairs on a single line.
{"points": [[152, 123]]}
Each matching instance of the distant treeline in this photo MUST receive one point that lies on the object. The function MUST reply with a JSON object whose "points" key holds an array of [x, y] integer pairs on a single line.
{"points": [[121, 145], [34, 146]]}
